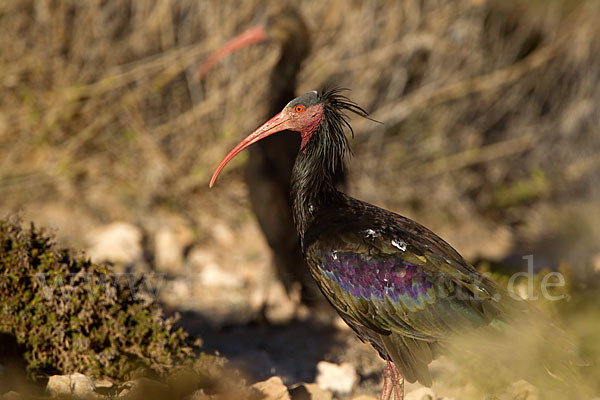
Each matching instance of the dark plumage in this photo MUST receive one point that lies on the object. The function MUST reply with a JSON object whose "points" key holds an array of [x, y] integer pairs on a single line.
{"points": [[398, 285]]}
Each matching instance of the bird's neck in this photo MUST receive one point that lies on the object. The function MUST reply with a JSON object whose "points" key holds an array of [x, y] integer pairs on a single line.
{"points": [[313, 186]]}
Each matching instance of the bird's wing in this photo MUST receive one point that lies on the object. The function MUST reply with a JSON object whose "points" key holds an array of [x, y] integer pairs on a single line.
{"points": [[407, 286], [393, 284]]}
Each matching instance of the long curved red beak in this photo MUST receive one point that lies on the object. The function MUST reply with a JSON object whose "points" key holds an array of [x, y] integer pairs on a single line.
{"points": [[278, 123], [252, 35]]}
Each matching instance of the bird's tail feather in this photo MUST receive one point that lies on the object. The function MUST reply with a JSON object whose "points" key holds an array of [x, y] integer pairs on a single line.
{"points": [[411, 357]]}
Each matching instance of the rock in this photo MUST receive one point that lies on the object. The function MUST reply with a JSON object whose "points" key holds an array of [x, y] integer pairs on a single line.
{"points": [[421, 394], [309, 391], [198, 257], [339, 379], [59, 385], [273, 389], [77, 385], [81, 385], [103, 383], [170, 240], [117, 242], [168, 251], [223, 234], [213, 275], [178, 291]]}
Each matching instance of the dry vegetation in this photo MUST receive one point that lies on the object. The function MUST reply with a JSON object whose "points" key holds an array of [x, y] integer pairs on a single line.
{"points": [[69, 314], [488, 107]]}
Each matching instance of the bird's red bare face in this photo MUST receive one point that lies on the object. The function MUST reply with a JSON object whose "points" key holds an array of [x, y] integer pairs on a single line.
{"points": [[303, 114], [304, 118]]}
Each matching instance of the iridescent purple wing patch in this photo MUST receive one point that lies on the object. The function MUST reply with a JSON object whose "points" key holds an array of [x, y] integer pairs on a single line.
{"points": [[370, 277]]}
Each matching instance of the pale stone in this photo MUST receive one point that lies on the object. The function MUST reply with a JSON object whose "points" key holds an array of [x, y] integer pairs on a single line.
{"points": [[179, 290], [59, 385], [77, 385], [213, 275], [273, 389], [81, 385], [103, 383], [336, 378], [223, 234], [116, 242], [168, 252], [170, 241], [199, 257]]}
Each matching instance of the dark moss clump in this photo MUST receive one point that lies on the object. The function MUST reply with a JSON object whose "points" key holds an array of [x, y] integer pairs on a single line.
{"points": [[70, 314]]}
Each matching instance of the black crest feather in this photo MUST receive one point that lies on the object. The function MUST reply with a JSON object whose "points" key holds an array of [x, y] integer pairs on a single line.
{"points": [[336, 104], [334, 143]]}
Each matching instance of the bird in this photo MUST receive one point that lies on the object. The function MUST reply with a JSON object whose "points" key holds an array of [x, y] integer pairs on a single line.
{"points": [[398, 285], [269, 168]]}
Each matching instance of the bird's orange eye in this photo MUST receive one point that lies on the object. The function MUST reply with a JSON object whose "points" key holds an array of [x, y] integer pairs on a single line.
{"points": [[299, 108]]}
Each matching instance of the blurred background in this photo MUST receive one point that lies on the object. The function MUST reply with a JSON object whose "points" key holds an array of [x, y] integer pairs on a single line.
{"points": [[490, 137]]}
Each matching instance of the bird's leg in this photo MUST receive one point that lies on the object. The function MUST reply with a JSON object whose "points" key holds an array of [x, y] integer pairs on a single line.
{"points": [[391, 374], [398, 381], [386, 392]]}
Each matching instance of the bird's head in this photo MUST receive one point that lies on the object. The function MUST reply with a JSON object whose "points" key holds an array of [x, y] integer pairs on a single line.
{"points": [[303, 114], [284, 26], [306, 114]]}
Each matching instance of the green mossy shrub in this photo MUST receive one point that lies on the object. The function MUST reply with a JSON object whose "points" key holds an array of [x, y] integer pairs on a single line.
{"points": [[71, 315]]}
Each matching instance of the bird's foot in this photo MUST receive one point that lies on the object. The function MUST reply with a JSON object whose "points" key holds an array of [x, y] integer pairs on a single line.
{"points": [[393, 382]]}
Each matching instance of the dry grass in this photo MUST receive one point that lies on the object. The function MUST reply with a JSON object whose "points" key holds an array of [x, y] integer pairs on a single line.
{"points": [[489, 108]]}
